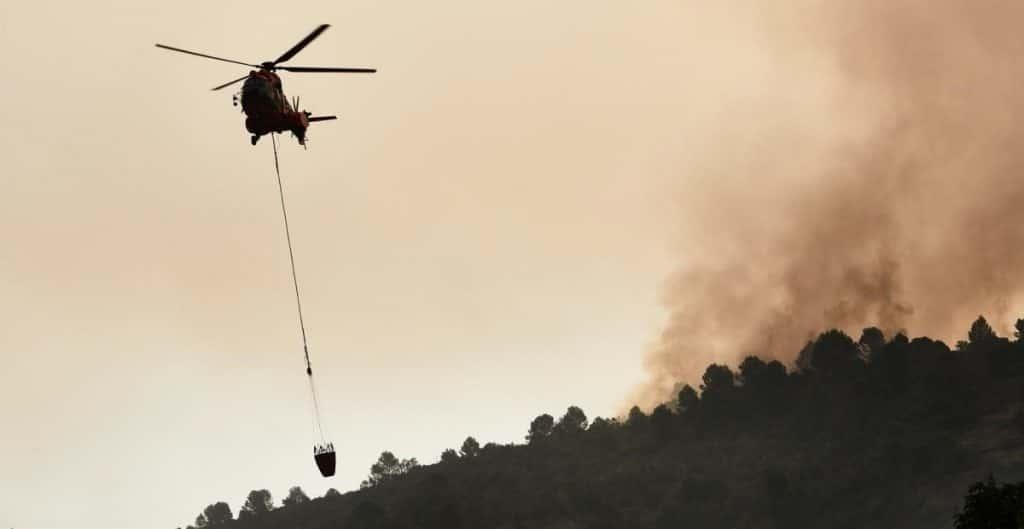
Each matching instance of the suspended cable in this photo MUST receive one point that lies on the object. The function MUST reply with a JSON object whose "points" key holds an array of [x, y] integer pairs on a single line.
{"points": [[298, 299]]}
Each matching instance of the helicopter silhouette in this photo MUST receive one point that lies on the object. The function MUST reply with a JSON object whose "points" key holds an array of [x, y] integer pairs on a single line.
{"points": [[263, 101]]}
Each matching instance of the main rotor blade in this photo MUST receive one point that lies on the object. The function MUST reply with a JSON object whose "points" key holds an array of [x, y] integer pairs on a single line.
{"points": [[322, 118], [229, 83], [319, 69], [302, 43], [205, 55]]}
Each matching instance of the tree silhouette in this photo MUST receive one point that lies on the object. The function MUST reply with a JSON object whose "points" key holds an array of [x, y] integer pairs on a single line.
{"points": [[718, 379], [662, 421], [449, 456], [573, 421], [687, 399], [751, 369], [470, 448], [295, 496], [872, 341], [387, 468], [762, 380], [992, 506], [217, 513], [201, 521], [803, 358], [833, 352], [891, 366], [540, 428], [636, 417], [602, 425], [981, 332], [257, 503], [332, 493]]}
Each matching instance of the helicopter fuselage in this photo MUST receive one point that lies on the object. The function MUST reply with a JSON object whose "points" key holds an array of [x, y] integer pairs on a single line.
{"points": [[267, 109]]}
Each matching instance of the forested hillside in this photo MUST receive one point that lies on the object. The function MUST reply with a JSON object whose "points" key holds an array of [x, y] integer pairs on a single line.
{"points": [[874, 432]]}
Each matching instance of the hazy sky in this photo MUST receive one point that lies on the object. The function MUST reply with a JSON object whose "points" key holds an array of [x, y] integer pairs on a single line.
{"points": [[480, 238]]}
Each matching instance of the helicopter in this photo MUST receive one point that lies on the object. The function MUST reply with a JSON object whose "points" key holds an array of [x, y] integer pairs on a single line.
{"points": [[262, 98]]}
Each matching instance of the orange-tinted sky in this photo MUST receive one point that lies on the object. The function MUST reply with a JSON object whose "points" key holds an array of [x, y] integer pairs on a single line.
{"points": [[480, 238]]}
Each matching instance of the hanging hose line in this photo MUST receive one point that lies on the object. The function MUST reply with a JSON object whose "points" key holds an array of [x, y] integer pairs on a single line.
{"points": [[298, 300]]}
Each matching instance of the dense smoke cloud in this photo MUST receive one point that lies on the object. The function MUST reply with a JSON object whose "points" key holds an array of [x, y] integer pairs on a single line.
{"points": [[907, 216]]}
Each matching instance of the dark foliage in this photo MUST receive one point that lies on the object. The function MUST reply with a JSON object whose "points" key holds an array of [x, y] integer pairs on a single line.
{"points": [[574, 421], [449, 456], [992, 506], [663, 421], [295, 496], [981, 332], [872, 342], [386, 468], [872, 433], [636, 418], [470, 448], [257, 503], [687, 399], [540, 428], [216, 514]]}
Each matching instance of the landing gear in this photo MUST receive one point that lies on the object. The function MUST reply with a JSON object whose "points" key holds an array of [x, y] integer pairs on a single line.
{"points": [[254, 139]]}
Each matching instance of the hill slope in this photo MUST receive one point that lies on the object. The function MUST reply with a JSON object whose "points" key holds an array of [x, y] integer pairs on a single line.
{"points": [[873, 433]]}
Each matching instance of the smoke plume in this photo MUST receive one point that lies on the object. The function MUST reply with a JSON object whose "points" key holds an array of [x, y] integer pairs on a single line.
{"points": [[905, 214]]}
